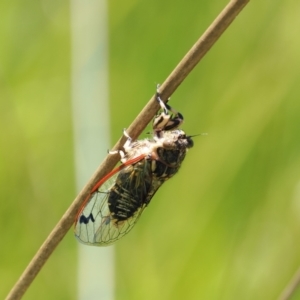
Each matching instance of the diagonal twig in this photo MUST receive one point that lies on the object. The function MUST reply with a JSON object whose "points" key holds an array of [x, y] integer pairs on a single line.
{"points": [[291, 287], [182, 70]]}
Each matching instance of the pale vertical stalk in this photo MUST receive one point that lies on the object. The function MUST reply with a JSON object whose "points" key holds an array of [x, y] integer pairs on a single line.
{"points": [[91, 130]]}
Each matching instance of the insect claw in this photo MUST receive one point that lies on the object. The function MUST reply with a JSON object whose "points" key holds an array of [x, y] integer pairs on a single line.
{"points": [[126, 134], [122, 154], [112, 151], [162, 104], [128, 141], [157, 88], [158, 93]]}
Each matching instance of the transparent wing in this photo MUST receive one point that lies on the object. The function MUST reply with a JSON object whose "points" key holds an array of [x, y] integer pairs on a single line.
{"points": [[96, 223]]}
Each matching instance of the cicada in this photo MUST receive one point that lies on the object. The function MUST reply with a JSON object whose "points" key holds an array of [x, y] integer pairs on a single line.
{"points": [[118, 200]]}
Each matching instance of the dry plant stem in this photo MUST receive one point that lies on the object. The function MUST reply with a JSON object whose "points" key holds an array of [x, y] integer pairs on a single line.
{"points": [[291, 287], [168, 87], [205, 42]]}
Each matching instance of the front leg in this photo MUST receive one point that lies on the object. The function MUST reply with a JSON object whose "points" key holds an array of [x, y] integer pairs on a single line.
{"points": [[126, 147], [165, 121]]}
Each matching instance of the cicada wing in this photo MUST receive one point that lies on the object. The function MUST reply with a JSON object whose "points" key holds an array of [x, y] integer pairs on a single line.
{"points": [[113, 230], [94, 214], [96, 224]]}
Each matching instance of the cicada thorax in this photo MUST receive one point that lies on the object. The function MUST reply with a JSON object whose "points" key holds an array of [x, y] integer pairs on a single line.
{"points": [[130, 191]]}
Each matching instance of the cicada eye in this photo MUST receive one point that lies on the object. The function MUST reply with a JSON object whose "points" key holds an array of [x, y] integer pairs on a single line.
{"points": [[190, 142]]}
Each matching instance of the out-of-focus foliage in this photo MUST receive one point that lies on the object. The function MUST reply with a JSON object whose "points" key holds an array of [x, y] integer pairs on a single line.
{"points": [[36, 155], [227, 226]]}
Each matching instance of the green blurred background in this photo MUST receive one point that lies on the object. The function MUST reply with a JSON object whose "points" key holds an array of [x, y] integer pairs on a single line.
{"points": [[227, 226]]}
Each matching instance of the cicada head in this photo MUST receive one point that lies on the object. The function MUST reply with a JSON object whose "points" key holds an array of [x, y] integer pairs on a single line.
{"points": [[170, 152], [176, 139]]}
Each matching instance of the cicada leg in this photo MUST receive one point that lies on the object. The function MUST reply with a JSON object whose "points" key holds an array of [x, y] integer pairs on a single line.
{"points": [[126, 146], [164, 120]]}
